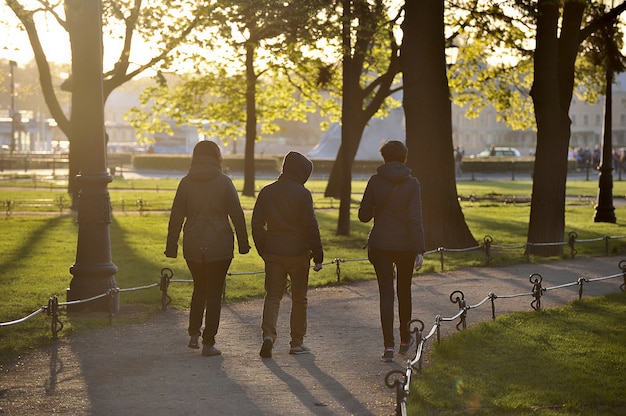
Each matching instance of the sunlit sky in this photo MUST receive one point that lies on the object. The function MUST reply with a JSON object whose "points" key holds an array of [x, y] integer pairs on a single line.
{"points": [[16, 45], [55, 41]]}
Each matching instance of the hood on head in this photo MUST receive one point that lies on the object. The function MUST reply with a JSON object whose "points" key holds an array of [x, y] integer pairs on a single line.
{"points": [[296, 166], [394, 171], [206, 149]]}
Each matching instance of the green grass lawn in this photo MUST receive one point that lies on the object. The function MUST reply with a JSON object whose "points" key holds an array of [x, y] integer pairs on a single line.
{"points": [[157, 194], [38, 250], [561, 361]]}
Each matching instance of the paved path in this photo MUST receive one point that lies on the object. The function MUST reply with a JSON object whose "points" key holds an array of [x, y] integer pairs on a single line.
{"points": [[147, 369]]}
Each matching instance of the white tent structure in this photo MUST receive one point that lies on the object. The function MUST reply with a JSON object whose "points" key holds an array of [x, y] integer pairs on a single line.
{"points": [[376, 132]]}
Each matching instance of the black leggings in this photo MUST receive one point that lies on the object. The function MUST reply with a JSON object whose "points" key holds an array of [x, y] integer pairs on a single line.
{"points": [[384, 262], [208, 286]]}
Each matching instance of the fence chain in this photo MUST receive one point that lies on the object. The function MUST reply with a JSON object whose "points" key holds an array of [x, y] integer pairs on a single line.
{"points": [[571, 242], [166, 277], [53, 310], [462, 307], [402, 384], [487, 240]]}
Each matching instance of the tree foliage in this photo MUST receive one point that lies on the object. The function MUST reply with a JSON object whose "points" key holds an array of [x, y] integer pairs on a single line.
{"points": [[492, 44], [552, 48], [490, 60], [163, 25], [246, 75], [369, 66]]}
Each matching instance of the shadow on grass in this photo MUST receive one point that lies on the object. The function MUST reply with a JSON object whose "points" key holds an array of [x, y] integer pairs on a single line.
{"points": [[35, 237], [136, 268]]}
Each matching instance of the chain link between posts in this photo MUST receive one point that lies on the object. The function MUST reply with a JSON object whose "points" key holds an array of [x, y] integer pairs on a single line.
{"points": [[401, 380]]}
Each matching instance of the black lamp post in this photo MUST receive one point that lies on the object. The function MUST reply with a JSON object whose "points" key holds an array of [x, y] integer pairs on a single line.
{"points": [[93, 271], [12, 66], [605, 211]]}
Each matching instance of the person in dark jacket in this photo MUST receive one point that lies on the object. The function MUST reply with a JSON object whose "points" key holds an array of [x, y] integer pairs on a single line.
{"points": [[396, 241], [205, 200], [286, 235]]}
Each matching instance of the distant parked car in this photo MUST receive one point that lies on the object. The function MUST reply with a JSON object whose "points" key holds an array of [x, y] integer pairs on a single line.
{"points": [[498, 151]]}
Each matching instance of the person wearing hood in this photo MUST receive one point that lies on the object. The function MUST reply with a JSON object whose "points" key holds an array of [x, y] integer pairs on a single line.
{"points": [[205, 200], [286, 235], [395, 244]]}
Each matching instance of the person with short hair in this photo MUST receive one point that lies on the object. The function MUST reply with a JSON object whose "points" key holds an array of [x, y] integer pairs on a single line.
{"points": [[205, 200], [395, 244]]}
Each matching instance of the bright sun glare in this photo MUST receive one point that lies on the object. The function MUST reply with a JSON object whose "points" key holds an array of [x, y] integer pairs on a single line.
{"points": [[55, 42]]}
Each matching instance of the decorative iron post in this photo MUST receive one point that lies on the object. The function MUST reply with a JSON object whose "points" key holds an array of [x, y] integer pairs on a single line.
{"points": [[93, 271], [605, 211]]}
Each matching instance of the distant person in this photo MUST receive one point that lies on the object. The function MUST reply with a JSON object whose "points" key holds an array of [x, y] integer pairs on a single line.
{"points": [[596, 156], [396, 242], [286, 235], [204, 202], [459, 153]]}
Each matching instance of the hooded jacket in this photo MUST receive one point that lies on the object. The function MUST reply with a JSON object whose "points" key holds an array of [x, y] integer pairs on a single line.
{"points": [[283, 220], [393, 199], [204, 201]]}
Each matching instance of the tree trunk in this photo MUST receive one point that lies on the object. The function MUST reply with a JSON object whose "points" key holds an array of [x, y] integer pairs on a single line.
{"points": [[93, 272], [359, 104], [428, 114], [552, 94], [248, 175], [351, 133], [342, 168]]}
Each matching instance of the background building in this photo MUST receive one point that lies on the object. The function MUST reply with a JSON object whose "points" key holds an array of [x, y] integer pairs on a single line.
{"points": [[38, 134]]}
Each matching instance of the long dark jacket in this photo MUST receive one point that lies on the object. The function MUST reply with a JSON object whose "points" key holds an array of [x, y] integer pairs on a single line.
{"points": [[204, 201], [283, 220], [393, 199]]}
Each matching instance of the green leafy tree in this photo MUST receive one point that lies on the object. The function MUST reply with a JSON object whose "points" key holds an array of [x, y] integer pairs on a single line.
{"points": [[545, 55], [27, 94], [560, 33], [370, 64], [163, 25], [246, 76]]}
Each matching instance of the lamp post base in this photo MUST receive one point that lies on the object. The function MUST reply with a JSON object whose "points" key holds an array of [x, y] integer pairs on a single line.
{"points": [[605, 211]]}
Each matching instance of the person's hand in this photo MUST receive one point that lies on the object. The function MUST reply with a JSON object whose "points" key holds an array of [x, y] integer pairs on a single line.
{"points": [[419, 262], [318, 267], [171, 251]]}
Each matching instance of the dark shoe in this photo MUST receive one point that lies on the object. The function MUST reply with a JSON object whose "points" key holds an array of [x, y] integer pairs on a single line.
{"points": [[406, 346], [300, 349], [210, 350], [266, 348], [194, 342], [387, 355]]}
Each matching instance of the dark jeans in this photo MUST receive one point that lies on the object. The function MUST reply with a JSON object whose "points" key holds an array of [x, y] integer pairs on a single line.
{"points": [[384, 262], [208, 286]]}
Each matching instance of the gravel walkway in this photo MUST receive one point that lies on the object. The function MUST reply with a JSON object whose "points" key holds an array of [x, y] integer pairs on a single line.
{"points": [[147, 369]]}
